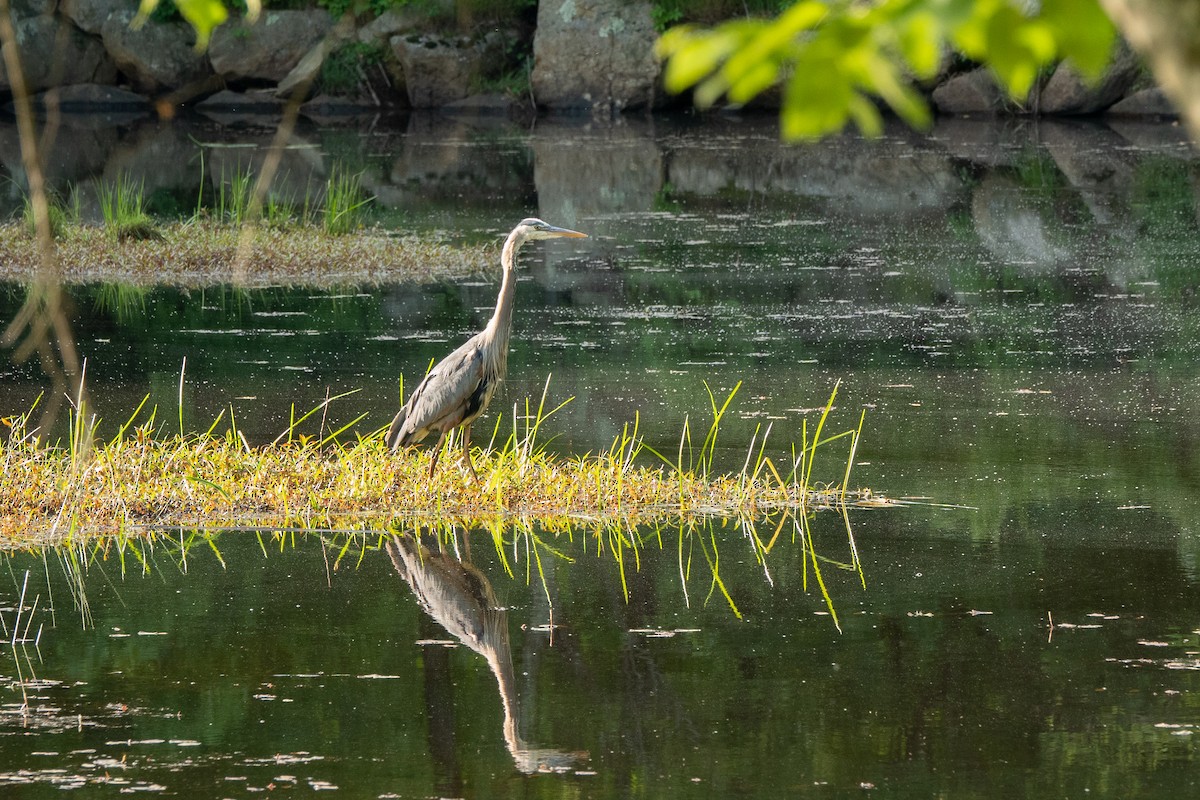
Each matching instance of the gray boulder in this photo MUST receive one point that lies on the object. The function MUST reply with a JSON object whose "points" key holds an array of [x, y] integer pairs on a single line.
{"points": [[158, 56], [594, 54], [1152, 102], [974, 92], [1068, 93], [308, 67], [270, 48], [31, 8], [393, 22], [55, 53], [88, 15], [437, 71]]}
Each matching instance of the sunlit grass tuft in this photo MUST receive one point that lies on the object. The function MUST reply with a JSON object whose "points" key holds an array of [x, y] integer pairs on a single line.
{"points": [[233, 196], [60, 215], [345, 203], [148, 475], [122, 204]]}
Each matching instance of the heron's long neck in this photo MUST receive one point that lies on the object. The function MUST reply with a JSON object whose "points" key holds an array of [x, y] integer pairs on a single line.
{"points": [[500, 325]]}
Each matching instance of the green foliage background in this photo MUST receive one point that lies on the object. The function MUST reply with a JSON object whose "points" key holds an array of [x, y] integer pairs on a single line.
{"points": [[836, 58]]}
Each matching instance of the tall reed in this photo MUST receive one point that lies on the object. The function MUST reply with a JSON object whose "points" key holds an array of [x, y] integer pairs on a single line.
{"points": [[122, 205], [345, 202]]}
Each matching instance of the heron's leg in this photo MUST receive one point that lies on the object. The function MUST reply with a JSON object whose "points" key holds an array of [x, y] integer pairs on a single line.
{"points": [[467, 450], [437, 451]]}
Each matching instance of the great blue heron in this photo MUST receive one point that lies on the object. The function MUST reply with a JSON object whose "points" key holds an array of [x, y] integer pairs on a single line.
{"points": [[460, 386]]}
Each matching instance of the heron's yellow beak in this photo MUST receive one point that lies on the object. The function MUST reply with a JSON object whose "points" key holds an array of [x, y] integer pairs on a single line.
{"points": [[566, 233]]}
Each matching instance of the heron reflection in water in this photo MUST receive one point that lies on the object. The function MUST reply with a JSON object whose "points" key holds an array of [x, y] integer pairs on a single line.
{"points": [[460, 386], [459, 597]]}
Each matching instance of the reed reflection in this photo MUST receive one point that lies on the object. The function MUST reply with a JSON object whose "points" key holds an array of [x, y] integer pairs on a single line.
{"points": [[460, 598]]}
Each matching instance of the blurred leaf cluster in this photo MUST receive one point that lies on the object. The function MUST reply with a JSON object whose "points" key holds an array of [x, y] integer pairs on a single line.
{"points": [[836, 57]]}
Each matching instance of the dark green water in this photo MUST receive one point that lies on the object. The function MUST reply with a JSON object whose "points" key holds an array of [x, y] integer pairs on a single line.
{"points": [[946, 680], [1016, 308]]}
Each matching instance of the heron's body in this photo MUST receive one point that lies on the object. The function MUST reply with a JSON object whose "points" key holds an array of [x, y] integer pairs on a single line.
{"points": [[460, 386]]}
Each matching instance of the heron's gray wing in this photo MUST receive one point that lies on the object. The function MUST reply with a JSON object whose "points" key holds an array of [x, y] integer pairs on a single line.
{"points": [[443, 398], [393, 434]]}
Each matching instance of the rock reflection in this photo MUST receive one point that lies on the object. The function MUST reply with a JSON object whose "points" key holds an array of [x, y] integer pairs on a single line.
{"points": [[459, 597], [42, 327]]}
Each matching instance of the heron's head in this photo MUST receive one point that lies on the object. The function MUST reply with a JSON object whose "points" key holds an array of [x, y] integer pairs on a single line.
{"points": [[532, 229]]}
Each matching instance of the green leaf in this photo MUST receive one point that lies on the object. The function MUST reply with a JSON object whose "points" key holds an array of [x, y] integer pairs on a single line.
{"points": [[204, 16], [1017, 49], [885, 81], [802, 16], [695, 58], [815, 107], [710, 91], [757, 80], [675, 38], [866, 116], [1083, 31], [145, 9], [839, 53], [921, 43]]}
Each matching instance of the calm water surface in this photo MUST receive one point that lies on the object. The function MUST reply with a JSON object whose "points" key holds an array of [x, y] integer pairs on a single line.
{"points": [[1016, 308]]}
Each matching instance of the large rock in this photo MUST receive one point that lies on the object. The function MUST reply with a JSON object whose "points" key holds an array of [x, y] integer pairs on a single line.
{"points": [[437, 71], [308, 67], [594, 54], [394, 22], [973, 92], [88, 15], [30, 8], [1152, 102], [270, 48], [1068, 93], [158, 56], [55, 53]]}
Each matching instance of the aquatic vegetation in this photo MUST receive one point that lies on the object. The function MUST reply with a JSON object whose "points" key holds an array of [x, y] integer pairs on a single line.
{"points": [[203, 254], [122, 206], [345, 203], [60, 215], [232, 200], [343, 70], [684, 549], [151, 473]]}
